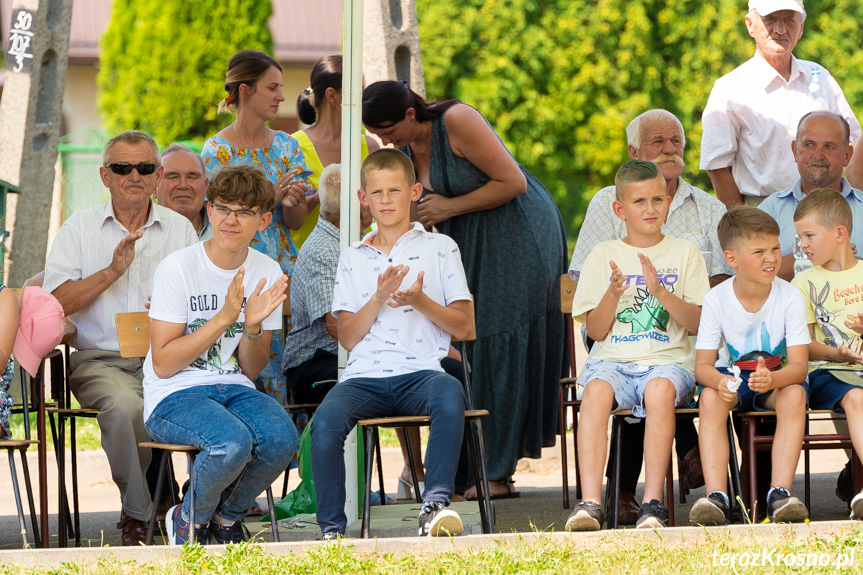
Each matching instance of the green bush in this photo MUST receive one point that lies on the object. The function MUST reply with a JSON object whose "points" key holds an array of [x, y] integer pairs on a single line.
{"points": [[560, 79], [163, 64]]}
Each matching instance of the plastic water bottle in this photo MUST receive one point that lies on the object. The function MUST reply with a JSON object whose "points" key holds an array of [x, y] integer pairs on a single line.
{"points": [[801, 262], [816, 90]]}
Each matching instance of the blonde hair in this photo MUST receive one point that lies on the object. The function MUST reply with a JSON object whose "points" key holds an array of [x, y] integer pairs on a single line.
{"points": [[388, 159], [829, 207]]}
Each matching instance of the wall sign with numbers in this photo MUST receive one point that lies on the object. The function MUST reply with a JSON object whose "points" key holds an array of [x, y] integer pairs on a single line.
{"points": [[20, 55]]}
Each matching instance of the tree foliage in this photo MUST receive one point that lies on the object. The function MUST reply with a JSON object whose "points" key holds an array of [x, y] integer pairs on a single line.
{"points": [[162, 67], [560, 79]]}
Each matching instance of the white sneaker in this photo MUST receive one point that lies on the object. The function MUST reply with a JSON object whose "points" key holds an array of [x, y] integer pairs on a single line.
{"points": [[857, 506]]}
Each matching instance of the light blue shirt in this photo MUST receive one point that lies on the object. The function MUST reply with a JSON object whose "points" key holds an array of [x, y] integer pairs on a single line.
{"points": [[781, 206]]}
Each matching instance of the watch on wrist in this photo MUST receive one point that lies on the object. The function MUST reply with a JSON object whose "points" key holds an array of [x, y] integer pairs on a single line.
{"points": [[253, 336]]}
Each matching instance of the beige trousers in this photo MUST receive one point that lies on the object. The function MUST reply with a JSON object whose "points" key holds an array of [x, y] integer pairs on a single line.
{"points": [[105, 381]]}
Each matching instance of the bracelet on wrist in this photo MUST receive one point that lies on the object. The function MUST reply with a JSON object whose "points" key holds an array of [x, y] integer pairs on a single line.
{"points": [[253, 336]]}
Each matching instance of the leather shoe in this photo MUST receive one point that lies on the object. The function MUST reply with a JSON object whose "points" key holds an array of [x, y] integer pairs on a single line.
{"points": [[132, 531], [628, 507], [692, 469]]}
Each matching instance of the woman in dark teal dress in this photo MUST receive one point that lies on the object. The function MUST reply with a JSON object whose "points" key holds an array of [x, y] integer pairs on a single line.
{"points": [[513, 247]]}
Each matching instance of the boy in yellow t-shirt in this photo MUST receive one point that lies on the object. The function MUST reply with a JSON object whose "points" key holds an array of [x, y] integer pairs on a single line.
{"points": [[640, 298], [833, 290]]}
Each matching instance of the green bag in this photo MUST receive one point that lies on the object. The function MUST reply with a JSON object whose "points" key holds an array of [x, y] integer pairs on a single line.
{"points": [[302, 498]]}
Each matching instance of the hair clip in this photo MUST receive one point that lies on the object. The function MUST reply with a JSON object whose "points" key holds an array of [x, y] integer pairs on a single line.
{"points": [[309, 91]]}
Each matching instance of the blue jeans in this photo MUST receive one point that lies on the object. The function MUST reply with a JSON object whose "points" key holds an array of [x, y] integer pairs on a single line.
{"points": [[245, 437], [432, 393]]}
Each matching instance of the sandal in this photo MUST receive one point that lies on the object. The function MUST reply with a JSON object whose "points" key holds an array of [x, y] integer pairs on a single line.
{"points": [[507, 482]]}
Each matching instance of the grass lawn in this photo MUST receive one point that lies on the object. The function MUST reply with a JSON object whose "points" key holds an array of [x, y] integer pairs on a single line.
{"points": [[614, 553]]}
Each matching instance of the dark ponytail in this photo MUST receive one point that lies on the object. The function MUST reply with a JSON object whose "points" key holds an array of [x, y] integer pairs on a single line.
{"points": [[327, 73]]}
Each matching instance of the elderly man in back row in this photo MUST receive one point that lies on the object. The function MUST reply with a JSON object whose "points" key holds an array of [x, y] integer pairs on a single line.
{"points": [[657, 136], [102, 263], [184, 187], [752, 112]]}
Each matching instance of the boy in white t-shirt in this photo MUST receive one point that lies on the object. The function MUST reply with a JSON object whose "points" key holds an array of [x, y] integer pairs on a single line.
{"points": [[215, 305], [640, 298], [762, 321], [399, 297], [834, 312]]}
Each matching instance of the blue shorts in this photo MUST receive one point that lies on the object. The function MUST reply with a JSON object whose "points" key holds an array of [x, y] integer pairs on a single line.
{"points": [[628, 381], [828, 390], [749, 400]]}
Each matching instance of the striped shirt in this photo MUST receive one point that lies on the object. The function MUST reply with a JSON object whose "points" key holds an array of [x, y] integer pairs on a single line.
{"points": [[312, 295], [85, 245]]}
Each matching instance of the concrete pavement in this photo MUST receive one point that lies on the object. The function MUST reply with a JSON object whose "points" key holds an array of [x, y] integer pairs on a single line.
{"points": [[538, 508]]}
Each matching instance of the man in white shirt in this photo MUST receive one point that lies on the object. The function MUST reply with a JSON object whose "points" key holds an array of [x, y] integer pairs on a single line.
{"points": [[184, 186], [751, 116], [102, 263]]}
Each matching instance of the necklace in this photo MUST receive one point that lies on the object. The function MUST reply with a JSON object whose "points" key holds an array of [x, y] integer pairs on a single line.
{"points": [[246, 144]]}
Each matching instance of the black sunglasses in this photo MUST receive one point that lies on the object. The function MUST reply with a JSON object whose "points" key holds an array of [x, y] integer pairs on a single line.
{"points": [[124, 169]]}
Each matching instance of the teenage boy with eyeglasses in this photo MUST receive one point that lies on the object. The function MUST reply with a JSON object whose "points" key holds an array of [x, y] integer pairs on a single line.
{"points": [[102, 263], [215, 306]]}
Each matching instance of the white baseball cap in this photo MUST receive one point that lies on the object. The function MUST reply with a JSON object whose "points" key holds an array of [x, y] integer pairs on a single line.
{"points": [[765, 7]]}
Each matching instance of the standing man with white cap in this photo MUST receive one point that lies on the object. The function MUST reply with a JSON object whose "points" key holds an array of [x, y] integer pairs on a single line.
{"points": [[751, 116]]}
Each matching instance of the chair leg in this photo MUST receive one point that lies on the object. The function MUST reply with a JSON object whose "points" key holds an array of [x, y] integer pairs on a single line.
{"points": [[34, 523], [477, 456], [751, 454], [735, 488], [190, 457], [806, 480], [383, 493], [17, 492], [561, 428], [615, 474], [160, 482], [410, 450], [575, 409], [274, 521], [65, 516], [285, 484], [669, 490], [62, 538], [682, 484], [171, 475], [76, 508], [367, 495]]}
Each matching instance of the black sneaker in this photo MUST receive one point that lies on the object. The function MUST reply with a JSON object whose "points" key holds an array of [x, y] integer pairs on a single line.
{"points": [[177, 528], [222, 534], [652, 515], [845, 485], [587, 516], [710, 510], [437, 520], [782, 507], [331, 536]]}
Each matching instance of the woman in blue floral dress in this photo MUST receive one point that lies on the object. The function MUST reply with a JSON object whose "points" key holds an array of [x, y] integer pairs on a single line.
{"points": [[254, 86]]}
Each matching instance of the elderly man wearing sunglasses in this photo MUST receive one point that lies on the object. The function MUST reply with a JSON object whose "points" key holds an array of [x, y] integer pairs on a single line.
{"points": [[102, 263]]}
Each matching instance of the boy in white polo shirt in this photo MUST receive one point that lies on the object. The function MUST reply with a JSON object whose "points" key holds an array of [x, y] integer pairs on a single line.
{"points": [[215, 306], [400, 296]]}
